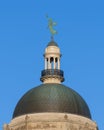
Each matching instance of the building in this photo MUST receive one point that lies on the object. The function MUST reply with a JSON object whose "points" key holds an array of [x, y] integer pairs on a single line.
{"points": [[51, 105]]}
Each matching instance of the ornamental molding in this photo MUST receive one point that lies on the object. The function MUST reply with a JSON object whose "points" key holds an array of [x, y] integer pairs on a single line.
{"points": [[53, 121]]}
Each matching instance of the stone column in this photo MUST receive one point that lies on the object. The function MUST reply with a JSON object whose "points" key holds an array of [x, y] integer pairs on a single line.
{"points": [[54, 63], [45, 63], [49, 63], [58, 63]]}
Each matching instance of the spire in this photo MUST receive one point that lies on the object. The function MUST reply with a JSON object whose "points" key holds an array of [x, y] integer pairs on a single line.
{"points": [[52, 72]]}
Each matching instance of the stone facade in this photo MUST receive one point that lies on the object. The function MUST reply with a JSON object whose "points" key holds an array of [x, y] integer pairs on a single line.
{"points": [[51, 121]]}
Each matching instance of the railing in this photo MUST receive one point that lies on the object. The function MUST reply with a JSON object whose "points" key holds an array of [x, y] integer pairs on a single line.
{"points": [[52, 72]]}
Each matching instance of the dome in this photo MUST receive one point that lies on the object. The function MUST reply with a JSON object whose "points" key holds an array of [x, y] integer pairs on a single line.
{"points": [[52, 97], [52, 43]]}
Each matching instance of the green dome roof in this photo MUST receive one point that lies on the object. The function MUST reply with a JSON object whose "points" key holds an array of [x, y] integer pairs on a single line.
{"points": [[52, 43], [52, 98]]}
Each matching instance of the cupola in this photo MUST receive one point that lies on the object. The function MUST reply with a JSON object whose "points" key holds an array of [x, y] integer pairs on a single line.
{"points": [[52, 72]]}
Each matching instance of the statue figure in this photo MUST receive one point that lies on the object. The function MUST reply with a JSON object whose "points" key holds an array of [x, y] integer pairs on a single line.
{"points": [[50, 26]]}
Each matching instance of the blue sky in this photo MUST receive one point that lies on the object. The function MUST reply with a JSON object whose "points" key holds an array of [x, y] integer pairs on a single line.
{"points": [[24, 36]]}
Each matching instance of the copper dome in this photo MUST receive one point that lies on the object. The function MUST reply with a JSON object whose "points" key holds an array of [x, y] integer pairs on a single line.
{"points": [[52, 98]]}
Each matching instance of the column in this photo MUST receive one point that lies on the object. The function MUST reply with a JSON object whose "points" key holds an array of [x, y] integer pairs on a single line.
{"points": [[45, 63], [49, 63], [58, 63], [54, 62]]}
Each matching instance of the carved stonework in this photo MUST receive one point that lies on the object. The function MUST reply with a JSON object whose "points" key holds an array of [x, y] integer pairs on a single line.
{"points": [[42, 126], [6, 127], [51, 121], [66, 117]]}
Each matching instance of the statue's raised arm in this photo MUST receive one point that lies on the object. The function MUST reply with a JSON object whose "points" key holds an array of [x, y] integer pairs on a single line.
{"points": [[50, 26]]}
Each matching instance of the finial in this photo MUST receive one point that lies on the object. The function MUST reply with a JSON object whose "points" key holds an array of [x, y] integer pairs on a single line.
{"points": [[52, 38], [50, 26]]}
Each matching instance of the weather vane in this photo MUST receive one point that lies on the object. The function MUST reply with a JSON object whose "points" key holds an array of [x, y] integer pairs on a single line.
{"points": [[51, 24]]}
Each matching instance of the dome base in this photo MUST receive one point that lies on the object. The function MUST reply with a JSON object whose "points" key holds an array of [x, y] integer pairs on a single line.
{"points": [[53, 121]]}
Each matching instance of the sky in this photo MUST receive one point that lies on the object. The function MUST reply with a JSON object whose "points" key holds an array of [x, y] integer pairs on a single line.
{"points": [[24, 36]]}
